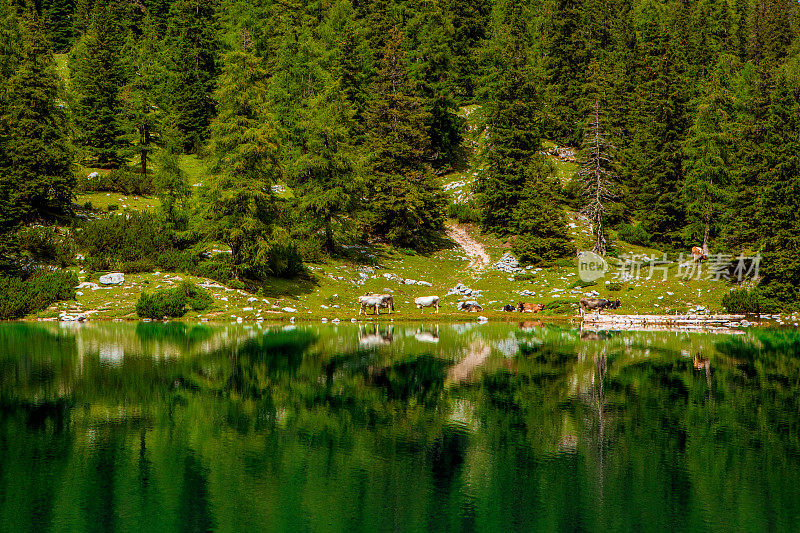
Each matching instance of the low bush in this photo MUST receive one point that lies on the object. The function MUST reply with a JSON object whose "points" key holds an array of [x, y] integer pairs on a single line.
{"points": [[535, 250], [162, 303], [175, 260], [565, 263], [45, 244], [580, 283], [140, 265], [112, 207], [525, 276], [559, 307], [217, 268], [614, 286], [465, 213], [633, 234], [125, 238], [746, 301], [20, 297], [172, 303]]}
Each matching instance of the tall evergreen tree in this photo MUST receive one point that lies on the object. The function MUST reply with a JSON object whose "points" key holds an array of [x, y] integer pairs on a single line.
{"points": [[707, 153], [142, 96], [36, 177], [240, 204], [407, 201], [514, 125], [432, 69], [97, 78], [779, 201], [654, 156], [327, 173], [193, 41]]}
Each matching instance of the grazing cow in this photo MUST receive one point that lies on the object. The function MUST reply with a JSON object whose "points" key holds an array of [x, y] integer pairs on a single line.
{"points": [[523, 307], [508, 308], [377, 301], [697, 254], [427, 301], [471, 307], [597, 304]]}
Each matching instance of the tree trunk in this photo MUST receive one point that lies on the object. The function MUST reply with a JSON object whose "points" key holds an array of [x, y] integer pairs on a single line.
{"points": [[705, 239], [329, 244]]}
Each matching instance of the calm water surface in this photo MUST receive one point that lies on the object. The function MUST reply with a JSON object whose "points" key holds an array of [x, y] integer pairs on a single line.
{"points": [[530, 427]]}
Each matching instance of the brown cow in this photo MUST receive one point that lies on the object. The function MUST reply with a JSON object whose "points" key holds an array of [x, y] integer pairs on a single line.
{"points": [[523, 307], [470, 307], [697, 254]]}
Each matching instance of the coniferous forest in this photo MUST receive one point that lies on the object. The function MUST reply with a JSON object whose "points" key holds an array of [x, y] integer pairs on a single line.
{"points": [[327, 124]]}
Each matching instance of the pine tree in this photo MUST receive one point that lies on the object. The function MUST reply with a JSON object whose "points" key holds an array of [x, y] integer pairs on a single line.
{"points": [[653, 158], [779, 201], [36, 176], [192, 39], [470, 20], [142, 96], [240, 205], [432, 70], [568, 54], [57, 17], [707, 153], [407, 202], [170, 183], [327, 173], [97, 77], [514, 126]]}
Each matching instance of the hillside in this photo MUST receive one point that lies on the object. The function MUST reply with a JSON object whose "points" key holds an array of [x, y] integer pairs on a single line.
{"points": [[335, 284]]}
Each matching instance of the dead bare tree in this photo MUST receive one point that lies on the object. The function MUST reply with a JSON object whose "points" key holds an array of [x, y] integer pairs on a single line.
{"points": [[596, 174]]}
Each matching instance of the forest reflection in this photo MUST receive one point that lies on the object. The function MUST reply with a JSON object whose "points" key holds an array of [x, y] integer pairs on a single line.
{"points": [[413, 427]]}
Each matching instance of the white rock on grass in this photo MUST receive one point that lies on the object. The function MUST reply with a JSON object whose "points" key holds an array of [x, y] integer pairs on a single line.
{"points": [[289, 310], [114, 278]]}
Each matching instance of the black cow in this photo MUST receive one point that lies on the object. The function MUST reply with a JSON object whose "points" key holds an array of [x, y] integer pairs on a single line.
{"points": [[597, 304], [508, 308]]}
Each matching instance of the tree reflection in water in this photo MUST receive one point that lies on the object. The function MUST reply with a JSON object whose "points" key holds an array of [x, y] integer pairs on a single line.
{"points": [[377, 427]]}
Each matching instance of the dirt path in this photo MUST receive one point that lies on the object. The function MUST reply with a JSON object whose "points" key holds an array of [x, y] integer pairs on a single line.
{"points": [[479, 259]]}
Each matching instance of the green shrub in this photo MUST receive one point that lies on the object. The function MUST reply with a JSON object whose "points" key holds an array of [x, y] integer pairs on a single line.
{"points": [[614, 286], [140, 265], [46, 244], [88, 205], [175, 260], [633, 234], [112, 207], [172, 303], [126, 238], [162, 303], [217, 268], [559, 307], [531, 249], [525, 276], [197, 298], [565, 263], [746, 301], [20, 297], [467, 213], [580, 283]]}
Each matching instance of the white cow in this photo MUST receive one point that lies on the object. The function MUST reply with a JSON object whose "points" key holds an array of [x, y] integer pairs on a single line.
{"points": [[427, 301], [377, 301]]}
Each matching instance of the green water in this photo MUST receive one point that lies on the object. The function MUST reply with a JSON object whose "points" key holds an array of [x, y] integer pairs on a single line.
{"points": [[183, 427]]}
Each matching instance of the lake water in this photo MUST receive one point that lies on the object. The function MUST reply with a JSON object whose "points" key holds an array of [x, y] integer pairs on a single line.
{"points": [[492, 427]]}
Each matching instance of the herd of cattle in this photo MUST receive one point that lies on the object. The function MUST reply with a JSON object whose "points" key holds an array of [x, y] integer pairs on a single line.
{"points": [[386, 301]]}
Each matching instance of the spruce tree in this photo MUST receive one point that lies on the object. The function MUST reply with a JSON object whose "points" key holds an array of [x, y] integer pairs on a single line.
{"points": [[406, 200], [97, 78], [327, 173], [654, 166], [142, 97], [707, 152], [170, 183], [514, 126], [193, 61], [779, 201], [36, 176], [432, 70], [240, 206]]}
